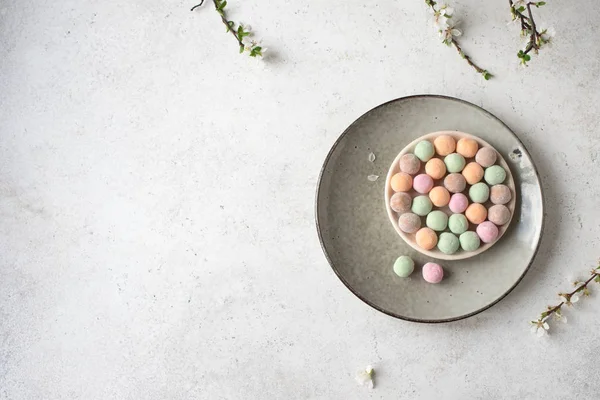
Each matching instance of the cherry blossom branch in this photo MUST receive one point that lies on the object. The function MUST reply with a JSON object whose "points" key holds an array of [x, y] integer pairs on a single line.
{"points": [[448, 32], [240, 33], [528, 27], [540, 326]]}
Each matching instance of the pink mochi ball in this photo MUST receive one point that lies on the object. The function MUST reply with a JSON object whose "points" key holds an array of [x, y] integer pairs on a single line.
{"points": [[433, 273], [458, 203], [422, 183], [487, 232]]}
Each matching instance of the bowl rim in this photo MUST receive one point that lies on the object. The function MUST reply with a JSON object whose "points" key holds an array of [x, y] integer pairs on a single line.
{"points": [[409, 238], [341, 278]]}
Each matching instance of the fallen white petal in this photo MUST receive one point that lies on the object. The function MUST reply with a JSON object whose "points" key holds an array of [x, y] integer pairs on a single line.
{"points": [[456, 32], [546, 326], [373, 178], [371, 157], [362, 377], [365, 377]]}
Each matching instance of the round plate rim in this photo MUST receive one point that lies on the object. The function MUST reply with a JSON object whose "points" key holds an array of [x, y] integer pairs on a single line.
{"points": [[341, 278]]}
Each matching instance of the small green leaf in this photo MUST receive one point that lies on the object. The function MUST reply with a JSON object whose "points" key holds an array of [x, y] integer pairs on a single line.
{"points": [[256, 51], [521, 9], [526, 57], [486, 75], [241, 48], [540, 3]]}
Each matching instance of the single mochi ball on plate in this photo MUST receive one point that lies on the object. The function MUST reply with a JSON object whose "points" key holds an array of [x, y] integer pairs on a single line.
{"points": [[487, 232], [444, 145], [479, 192], [400, 202], [426, 238], [421, 205], [486, 157], [500, 194], [435, 168], [404, 266], [401, 182], [457, 223], [448, 243], [455, 183], [473, 173], [409, 223], [424, 150], [467, 147], [469, 241], [476, 213], [422, 183], [433, 273], [458, 203], [410, 164], [454, 162], [499, 214], [437, 220], [439, 196], [494, 175]]}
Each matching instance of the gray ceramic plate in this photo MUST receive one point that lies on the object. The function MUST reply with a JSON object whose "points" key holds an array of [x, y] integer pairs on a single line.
{"points": [[360, 243]]}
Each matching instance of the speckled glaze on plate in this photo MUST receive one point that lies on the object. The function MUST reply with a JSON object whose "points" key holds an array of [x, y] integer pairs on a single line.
{"points": [[360, 243], [409, 238]]}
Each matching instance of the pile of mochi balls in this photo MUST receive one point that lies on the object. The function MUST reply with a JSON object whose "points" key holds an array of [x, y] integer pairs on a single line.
{"points": [[459, 177]]}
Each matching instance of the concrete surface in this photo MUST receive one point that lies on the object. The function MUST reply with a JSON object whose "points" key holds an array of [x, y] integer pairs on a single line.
{"points": [[156, 201]]}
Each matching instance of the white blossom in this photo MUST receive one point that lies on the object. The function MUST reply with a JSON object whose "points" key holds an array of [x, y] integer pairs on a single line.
{"points": [[365, 377], [247, 42], [446, 10], [547, 36], [441, 22], [539, 327], [447, 34], [574, 298], [558, 316], [570, 299]]}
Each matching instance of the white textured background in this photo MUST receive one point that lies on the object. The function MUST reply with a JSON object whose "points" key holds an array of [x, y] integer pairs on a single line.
{"points": [[156, 201]]}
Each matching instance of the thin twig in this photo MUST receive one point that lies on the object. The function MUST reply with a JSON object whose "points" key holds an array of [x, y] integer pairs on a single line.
{"points": [[528, 27], [567, 296], [467, 58], [219, 7], [460, 51], [197, 5], [534, 32]]}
